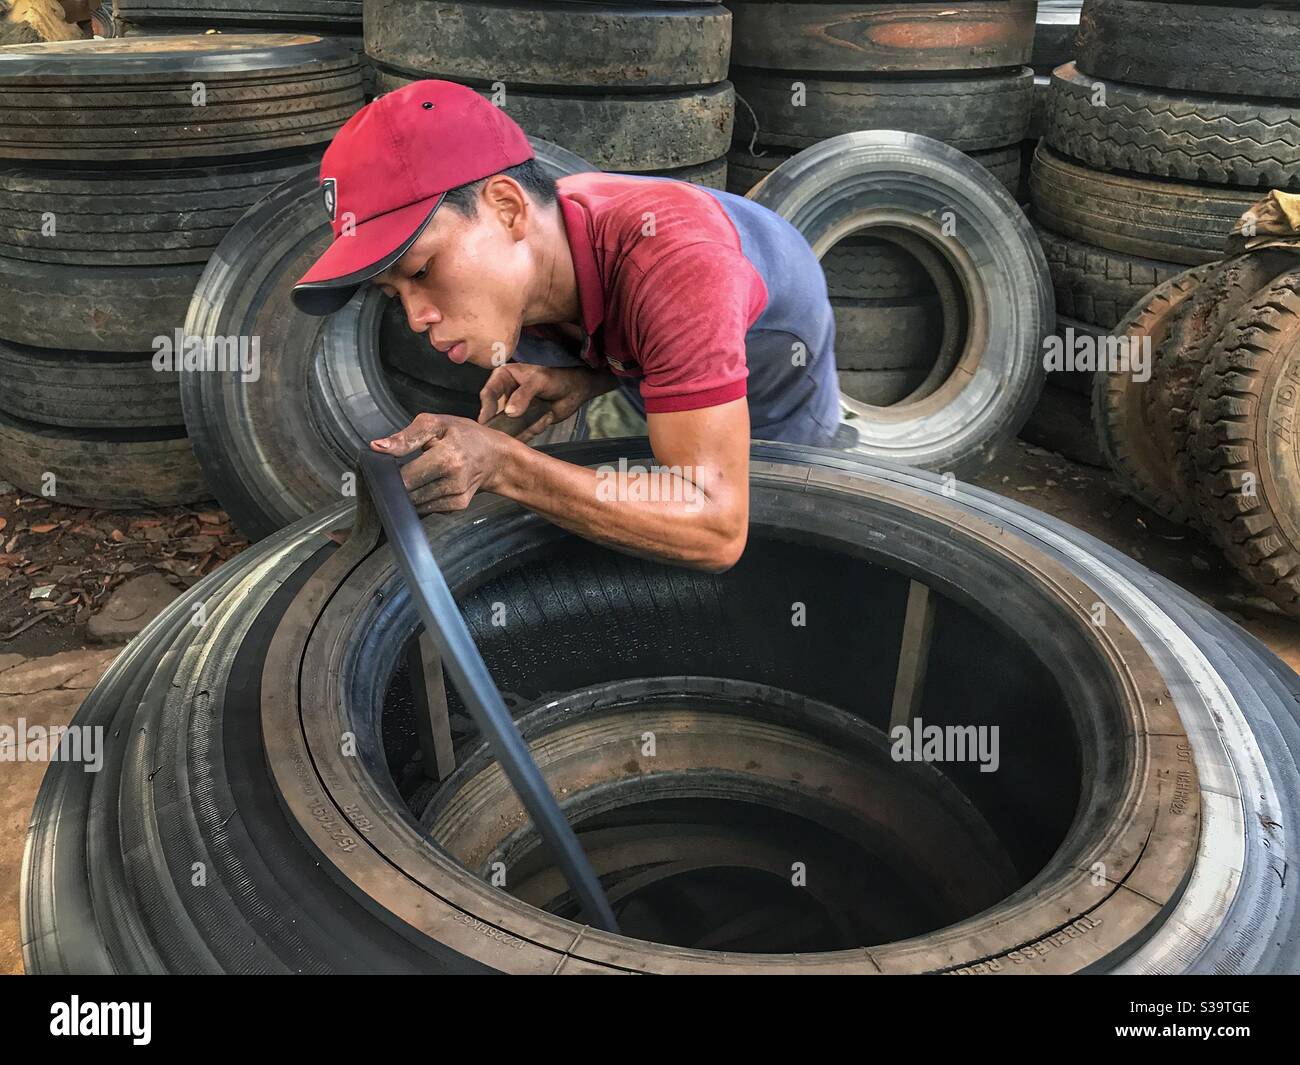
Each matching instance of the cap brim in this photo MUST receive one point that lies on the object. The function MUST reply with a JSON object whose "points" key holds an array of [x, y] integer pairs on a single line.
{"points": [[353, 259]]}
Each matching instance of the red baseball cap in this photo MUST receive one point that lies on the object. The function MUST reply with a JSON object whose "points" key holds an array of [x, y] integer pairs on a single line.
{"points": [[386, 172]]}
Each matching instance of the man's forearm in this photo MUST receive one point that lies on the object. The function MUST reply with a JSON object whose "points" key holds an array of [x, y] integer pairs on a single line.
{"points": [[660, 513]]}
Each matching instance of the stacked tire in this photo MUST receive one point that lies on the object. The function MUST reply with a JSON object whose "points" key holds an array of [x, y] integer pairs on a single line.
{"points": [[805, 72], [323, 18], [632, 87], [1173, 120], [97, 265]]}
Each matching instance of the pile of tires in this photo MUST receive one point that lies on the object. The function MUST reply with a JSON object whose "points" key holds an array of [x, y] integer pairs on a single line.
{"points": [[1171, 122], [322, 18], [281, 444], [808, 72], [1209, 439], [1137, 823], [634, 87], [122, 164]]}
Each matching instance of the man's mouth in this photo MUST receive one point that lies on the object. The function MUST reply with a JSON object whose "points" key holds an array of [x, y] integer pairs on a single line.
{"points": [[457, 352]]}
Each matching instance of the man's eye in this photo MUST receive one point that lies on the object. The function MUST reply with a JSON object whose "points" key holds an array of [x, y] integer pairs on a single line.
{"points": [[420, 273]]}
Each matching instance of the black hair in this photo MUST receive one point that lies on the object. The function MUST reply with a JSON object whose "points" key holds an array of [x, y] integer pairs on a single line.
{"points": [[530, 174]]}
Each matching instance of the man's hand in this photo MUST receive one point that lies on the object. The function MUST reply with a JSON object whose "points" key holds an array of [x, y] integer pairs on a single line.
{"points": [[516, 384], [460, 457]]}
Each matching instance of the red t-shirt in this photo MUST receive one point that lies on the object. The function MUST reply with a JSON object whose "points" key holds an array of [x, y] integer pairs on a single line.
{"points": [[666, 294]]}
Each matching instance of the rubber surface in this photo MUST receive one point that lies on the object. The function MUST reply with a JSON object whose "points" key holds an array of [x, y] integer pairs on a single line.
{"points": [[1144, 217], [972, 112], [194, 98], [1095, 285], [1241, 49], [314, 13], [183, 699], [1062, 422], [1229, 141], [868, 37]]}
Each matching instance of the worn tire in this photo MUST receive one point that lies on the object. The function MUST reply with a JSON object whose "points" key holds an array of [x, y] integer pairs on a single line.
{"points": [[565, 48], [1143, 217], [114, 469], [264, 93], [105, 883], [1057, 26], [881, 37], [93, 308], [127, 217], [87, 390], [626, 133], [886, 334], [993, 381], [975, 112], [1095, 285], [1239, 49], [1247, 474], [1062, 422], [1226, 141], [310, 13], [1121, 412], [1181, 359]]}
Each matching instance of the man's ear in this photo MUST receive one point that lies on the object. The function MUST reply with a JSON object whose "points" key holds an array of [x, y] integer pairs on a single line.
{"points": [[504, 197]]}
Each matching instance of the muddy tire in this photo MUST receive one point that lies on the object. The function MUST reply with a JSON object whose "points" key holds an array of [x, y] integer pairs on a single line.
{"points": [[1143, 217], [1181, 359], [553, 47], [1226, 141], [1167, 689], [873, 37], [262, 93], [87, 390], [1095, 285], [1247, 477], [975, 112], [1121, 411], [109, 468], [1244, 49]]}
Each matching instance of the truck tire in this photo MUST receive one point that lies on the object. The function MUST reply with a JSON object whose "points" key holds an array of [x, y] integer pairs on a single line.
{"points": [[260, 92], [986, 392], [1224, 141], [1095, 285], [301, 633]]}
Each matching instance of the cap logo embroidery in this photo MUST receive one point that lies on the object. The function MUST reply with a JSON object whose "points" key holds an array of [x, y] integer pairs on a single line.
{"points": [[329, 190]]}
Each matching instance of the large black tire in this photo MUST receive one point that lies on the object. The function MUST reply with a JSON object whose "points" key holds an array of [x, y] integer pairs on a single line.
{"points": [[745, 170], [563, 48], [1143, 217], [1229, 141], [111, 468], [1132, 446], [309, 13], [87, 390], [859, 268], [1245, 463], [973, 112], [128, 217], [1062, 422], [625, 133], [886, 334], [984, 393], [282, 444], [93, 308], [133, 100], [871, 36], [1095, 285], [1242, 49], [192, 778]]}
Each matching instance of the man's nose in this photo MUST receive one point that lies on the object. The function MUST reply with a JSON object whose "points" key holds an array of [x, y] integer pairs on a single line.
{"points": [[421, 312]]}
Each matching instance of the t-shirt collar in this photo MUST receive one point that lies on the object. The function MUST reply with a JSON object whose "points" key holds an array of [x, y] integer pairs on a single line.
{"points": [[591, 289]]}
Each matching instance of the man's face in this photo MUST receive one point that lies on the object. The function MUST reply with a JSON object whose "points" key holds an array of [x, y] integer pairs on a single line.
{"points": [[465, 282]]}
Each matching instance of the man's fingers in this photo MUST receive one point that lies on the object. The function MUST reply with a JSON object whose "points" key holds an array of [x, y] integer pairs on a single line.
{"points": [[499, 384], [427, 469], [541, 425], [424, 428]]}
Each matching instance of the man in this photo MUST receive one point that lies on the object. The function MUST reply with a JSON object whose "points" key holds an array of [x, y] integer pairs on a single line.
{"points": [[709, 311]]}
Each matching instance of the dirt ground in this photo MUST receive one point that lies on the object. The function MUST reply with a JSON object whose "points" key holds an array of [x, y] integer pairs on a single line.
{"points": [[46, 667]]}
